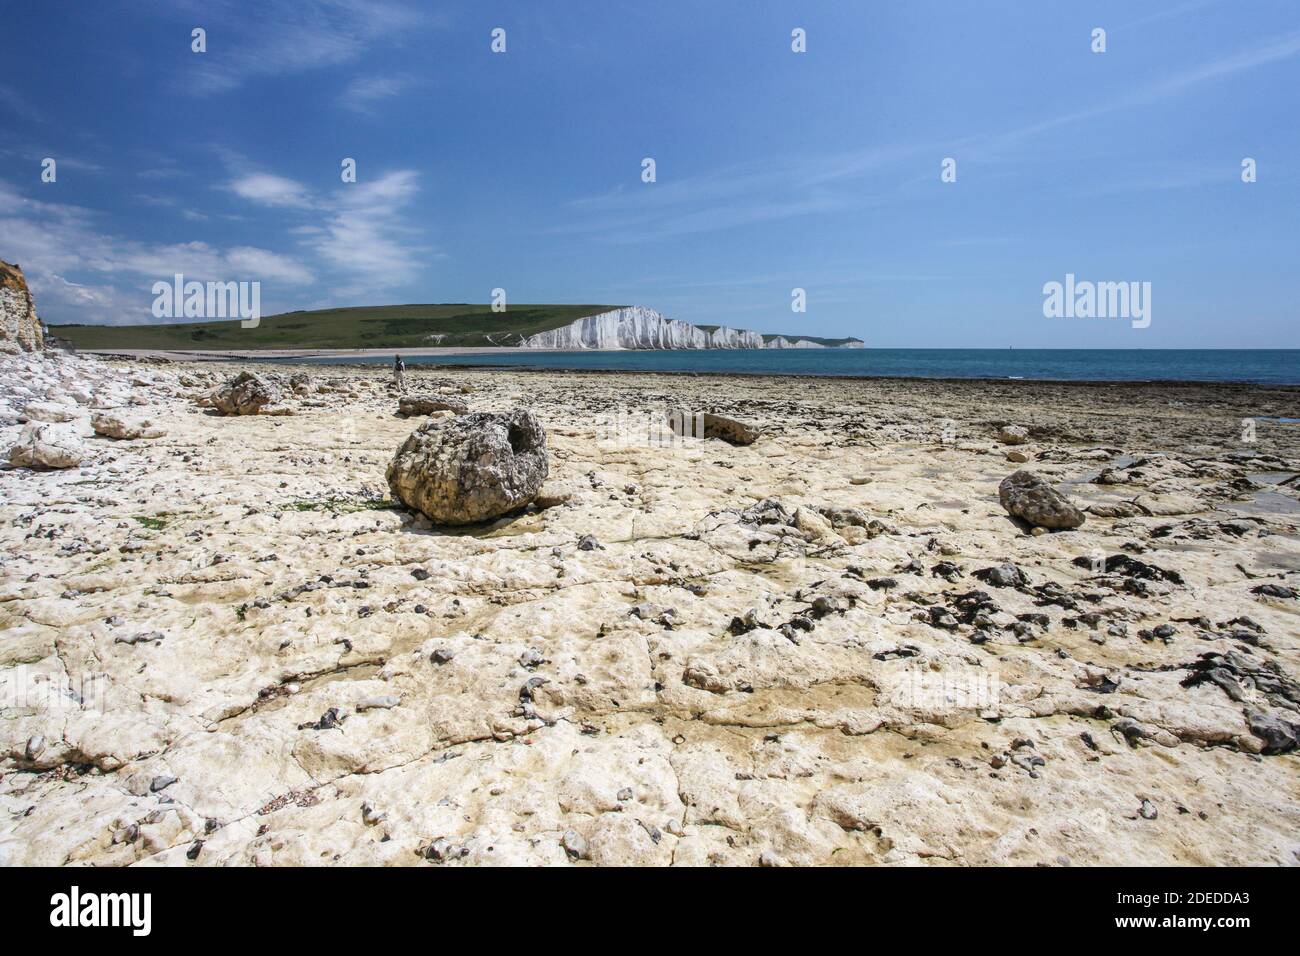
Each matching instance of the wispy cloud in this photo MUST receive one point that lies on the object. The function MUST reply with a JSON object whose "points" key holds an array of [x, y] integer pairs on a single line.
{"points": [[359, 231], [11, 101], [1175, 85], [364, 93], [738, 195], [1158, 15], [837, 182], [281, 37], [365, 240]]}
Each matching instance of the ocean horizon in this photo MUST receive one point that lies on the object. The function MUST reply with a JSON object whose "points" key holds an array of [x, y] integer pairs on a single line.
{"points": [[1259, 366]]}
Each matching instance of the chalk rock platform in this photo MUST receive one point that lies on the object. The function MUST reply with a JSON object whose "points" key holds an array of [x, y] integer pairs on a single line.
{"points": [[229, 644]]}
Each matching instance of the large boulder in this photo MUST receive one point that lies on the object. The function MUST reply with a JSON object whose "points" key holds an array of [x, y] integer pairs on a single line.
{"points": [[117, 425], [20, 330], [472, 468], [428, 404], [51, 412], [48, 445], [245, 394], [1028, 497]]}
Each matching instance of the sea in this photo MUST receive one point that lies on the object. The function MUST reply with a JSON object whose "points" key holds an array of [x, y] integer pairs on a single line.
{"points": [[1267, 366]]}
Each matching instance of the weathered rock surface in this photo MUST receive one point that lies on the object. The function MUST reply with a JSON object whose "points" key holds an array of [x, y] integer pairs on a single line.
{"points": [[428, 404], [246, 394], [472, 468], [51, 412], [709, 425], [200, 637], [48, 445], [1013, 434], [20, 330], [1028, 497]]}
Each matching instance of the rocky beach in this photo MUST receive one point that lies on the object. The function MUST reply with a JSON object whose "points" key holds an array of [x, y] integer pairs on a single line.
{"points": [[839, 622]]}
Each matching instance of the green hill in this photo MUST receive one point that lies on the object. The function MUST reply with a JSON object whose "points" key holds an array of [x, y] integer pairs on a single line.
{"points": [[380, 326]]}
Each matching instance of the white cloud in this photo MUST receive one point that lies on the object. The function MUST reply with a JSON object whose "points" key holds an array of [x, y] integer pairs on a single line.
{"points": [[358, 235], [359, 230], [269, 190], [267, 266], [80, 273]]}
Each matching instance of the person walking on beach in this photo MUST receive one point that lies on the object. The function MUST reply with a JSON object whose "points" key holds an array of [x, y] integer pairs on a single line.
{"points": [[398, 368]]}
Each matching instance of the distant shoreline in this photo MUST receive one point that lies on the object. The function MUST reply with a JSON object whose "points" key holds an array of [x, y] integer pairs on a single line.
{"points": [[913, 368], [226, 355]]}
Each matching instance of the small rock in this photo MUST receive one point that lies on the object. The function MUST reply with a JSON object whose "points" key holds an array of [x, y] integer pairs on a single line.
{"points": [[575, 845], [439, 850], [1279, 736], [708, 425], [530, 685], [379, 702], [147, 637], [1003, 576], [1274, 590]]}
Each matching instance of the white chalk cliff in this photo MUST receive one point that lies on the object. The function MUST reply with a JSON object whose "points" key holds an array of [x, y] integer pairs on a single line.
{"points": [[640, 328], [20, 330]]}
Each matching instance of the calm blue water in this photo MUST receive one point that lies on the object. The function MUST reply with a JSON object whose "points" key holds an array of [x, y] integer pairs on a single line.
{"points": [[1273, 366]]}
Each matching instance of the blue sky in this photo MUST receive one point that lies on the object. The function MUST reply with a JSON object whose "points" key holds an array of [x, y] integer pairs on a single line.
{"points": [[775, 170]]}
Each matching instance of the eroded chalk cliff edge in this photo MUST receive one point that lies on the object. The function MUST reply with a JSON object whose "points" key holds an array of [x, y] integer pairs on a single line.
{"points": [[636, 327], [20, 330]]}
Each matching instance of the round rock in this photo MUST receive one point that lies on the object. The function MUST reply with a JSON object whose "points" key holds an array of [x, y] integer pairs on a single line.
{"points": [[1027, 496], [472, 468], [245, 394]]}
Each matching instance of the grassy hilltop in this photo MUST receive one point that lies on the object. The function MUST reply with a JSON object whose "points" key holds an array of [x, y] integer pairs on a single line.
{"points": [[379, 326]]}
